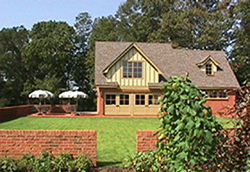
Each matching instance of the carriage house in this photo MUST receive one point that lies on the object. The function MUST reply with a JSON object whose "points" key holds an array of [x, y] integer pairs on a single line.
{"points": [[129, 76]]}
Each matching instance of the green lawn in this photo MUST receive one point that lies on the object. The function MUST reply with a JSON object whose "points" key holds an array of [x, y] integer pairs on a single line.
{"points": [[116, 136]]}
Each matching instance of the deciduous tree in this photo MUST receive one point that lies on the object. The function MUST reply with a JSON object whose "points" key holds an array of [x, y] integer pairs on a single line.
{"points": [[12, 70]]}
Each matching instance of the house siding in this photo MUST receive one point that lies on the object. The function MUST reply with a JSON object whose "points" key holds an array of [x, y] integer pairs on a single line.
{"points": [[149, 74]]}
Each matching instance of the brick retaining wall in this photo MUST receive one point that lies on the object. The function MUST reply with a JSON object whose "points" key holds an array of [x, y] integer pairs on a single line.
{"points": [[15, 111], [147, 141], [15, 143]]}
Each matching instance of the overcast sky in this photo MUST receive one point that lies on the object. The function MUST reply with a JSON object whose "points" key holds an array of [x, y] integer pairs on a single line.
{"points": [[29, 12]]}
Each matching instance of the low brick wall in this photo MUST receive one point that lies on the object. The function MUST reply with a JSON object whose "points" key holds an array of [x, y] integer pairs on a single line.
{"points": [[15, 143], [15, 111], [146, 140]]}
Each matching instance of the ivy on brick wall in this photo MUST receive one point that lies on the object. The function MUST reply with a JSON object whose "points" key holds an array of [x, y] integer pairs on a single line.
{"points": [[188, 131]]}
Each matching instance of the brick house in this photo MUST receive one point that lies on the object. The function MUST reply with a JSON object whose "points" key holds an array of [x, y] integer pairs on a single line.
{"points": [[129, 76]]}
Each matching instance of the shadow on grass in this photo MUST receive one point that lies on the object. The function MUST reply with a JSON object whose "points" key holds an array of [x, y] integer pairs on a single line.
{"points": [[12, 118], [108, 164]]}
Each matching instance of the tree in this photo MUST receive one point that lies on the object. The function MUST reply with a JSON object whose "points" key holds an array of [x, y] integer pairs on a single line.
{"points": [[12, 70], [83, 70], [48, 56], [240, 50], [104, 29], [83, 28]]}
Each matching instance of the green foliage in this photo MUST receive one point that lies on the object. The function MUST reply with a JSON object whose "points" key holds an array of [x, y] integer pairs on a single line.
{"points": [[7, 164], [143, 161], [49, 54], [12, 70], [26, 163], [47, 162], [188, 132], [233, 153], [83, 163], [239, 54]]}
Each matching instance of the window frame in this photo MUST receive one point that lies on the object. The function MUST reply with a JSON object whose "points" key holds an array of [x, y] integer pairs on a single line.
{"points": [[217, 94], [209, 69], [141, 100], [154, 100], [124, 99], [111, 100], [133, 69]]}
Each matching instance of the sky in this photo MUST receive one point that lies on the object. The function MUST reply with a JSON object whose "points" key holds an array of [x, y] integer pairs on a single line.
{"points": [[28, 12]]}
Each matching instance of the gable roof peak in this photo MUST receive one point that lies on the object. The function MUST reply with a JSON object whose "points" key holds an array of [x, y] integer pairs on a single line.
{"points": [[206, 59], [130, 46]]}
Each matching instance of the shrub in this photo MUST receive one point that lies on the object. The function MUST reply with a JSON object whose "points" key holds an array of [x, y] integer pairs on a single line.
{"points": [[8, 164], [47, 162], [83, 163], [233, 153], [64, 162], [26, 163], [143, 161]]}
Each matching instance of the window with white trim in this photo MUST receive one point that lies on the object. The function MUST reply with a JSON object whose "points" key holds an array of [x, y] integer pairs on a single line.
{"points": [[124, 99], [110, 99], [209, 69], [132, 70], [153, 99], [140, 99], [217, 94]]}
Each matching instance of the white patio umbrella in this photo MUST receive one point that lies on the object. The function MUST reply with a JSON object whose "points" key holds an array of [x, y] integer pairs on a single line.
{"points": [[41, 94], [73, 95]]}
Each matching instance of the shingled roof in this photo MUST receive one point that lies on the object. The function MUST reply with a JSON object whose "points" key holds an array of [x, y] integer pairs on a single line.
{"points": [[172, 62]]}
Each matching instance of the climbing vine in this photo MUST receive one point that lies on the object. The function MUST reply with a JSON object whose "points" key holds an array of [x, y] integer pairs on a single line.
{"points": [[188, 132]]}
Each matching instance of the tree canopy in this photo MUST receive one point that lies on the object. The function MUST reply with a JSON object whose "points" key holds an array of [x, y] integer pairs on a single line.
{"points": [[56, 56]]}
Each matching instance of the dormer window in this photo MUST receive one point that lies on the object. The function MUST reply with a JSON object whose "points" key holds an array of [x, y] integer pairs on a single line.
{"points": [[209, 69], [132, 70], [209, 66]]}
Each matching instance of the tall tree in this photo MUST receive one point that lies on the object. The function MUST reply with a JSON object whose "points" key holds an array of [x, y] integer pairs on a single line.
{"points": [[12, 70], [189, 24], [240, 50], [104, 29], [83, 27], [48, 56]]}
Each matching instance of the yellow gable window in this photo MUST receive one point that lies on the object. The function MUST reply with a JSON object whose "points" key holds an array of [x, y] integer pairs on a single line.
{"points": [[132, 70]]}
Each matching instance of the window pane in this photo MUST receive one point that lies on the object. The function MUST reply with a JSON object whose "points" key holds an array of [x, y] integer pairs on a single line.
{"points": [[213, 94], [124, 99], [110, 99], [153, 99], [132, 69], [222, 94], [140, 99], [209, 69], [127, 69], [137, 69]]}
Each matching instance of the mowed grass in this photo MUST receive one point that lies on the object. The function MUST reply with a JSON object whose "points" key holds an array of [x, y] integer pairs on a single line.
{"points": [[116, 136]]}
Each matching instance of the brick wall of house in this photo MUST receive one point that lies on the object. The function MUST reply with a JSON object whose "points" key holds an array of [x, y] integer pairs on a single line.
{"points": [[15, 143], [15, 111], [146, 140], [223, 107]]}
